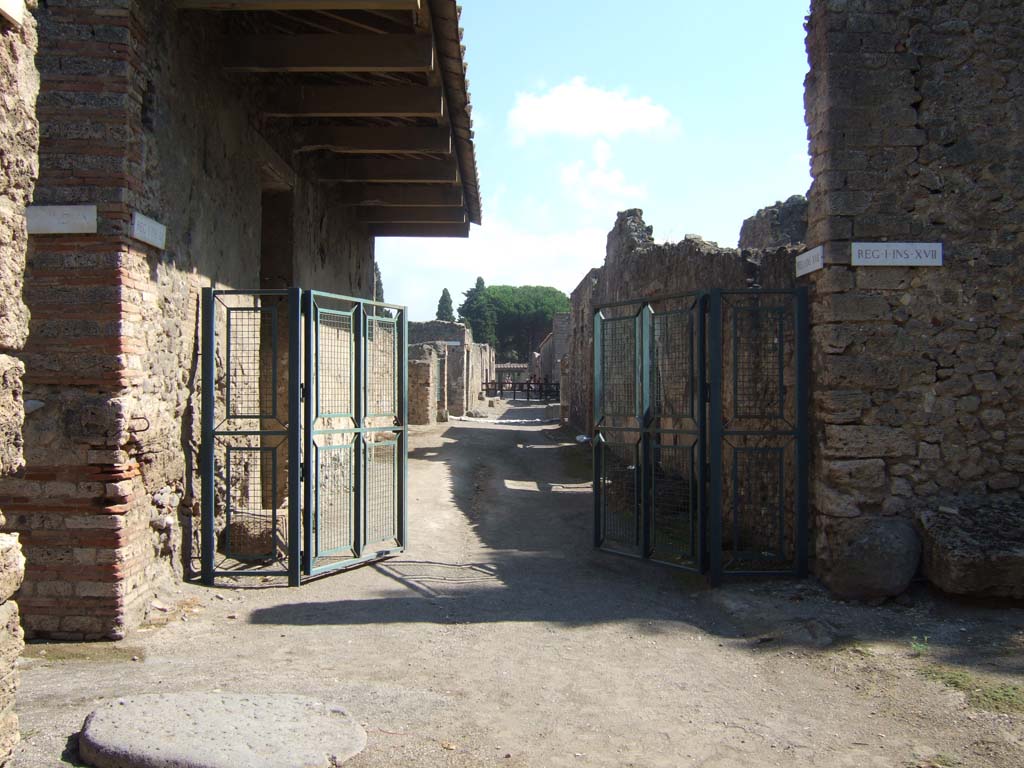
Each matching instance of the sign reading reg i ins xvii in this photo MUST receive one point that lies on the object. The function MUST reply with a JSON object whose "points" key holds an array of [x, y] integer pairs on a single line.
{"points": [[896, 255]]}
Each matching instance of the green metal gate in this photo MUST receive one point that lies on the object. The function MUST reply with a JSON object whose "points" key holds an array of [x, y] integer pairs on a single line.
{"points": [[303, 456], [700, 437]]}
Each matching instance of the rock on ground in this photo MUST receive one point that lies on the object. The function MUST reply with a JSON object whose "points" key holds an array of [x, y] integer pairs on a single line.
{"points": [[872, 558], [977, 551], [219, 730]]}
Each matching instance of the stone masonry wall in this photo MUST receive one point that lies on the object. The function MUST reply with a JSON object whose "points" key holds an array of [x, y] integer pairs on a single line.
{"points": [[136, 117], [636, 267], [915, 114], [423, 384], [19, 138], [439, 330], [782, 224]]}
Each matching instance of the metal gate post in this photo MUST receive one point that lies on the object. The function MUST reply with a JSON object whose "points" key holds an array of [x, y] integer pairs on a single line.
{"points": [[700, 415], [803, 356], [208, 544], [309, 351], [596, 438], [714, 506], [643, 384], [359, 451], [403, 475], [294, 436]]}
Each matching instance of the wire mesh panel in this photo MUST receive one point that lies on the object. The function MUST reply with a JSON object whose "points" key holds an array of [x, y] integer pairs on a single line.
{"points": [[381, 366], [334, 522], [700, 444], [763, 497], [381, 492], [249, 477], [355, 507], [619, 492]]}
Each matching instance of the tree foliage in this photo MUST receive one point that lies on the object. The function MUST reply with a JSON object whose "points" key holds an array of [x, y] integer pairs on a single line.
{"points": [[444, 307], [513, 319]]}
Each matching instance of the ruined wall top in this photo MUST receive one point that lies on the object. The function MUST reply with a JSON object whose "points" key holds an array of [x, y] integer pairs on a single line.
{"points": [[782, 224], [439, 330]]}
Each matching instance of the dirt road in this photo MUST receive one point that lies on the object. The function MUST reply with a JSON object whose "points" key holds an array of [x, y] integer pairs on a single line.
{"points": [[502, 638]]}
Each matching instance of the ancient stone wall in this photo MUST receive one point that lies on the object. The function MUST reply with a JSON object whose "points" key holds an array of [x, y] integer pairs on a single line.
{"points": [[914, 113], [110, 491], [469, 366], [782, 224], [636, 267], [439, 330], [424, 382], [19, 138]]}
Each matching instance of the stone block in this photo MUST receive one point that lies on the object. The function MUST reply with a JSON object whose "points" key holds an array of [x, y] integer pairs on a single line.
{"points": [[12, 565], [858, 474], [853, 307], [975, 551], [11, 635], [869, 558], [858, 441], [12, 414]]}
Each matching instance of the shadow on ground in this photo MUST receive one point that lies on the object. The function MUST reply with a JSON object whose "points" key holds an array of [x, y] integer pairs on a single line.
{"points": [[526, 494]]}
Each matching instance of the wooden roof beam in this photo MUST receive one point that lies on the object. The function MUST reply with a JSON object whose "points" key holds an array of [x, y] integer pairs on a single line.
{"points": [[356, 101], [373, 140], [411, 215], [423, 195], [391, 171], [419, 230], [300, 5], [329, 53]]}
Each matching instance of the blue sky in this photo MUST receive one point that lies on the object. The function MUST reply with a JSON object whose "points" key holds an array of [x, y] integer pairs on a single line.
{"points": [[692, 111]]}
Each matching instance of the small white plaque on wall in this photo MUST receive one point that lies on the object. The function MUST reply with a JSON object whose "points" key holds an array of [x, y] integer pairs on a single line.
{"points": [[896, 255], [810, 261], [149, 231], [61, 219], [13, 11]]}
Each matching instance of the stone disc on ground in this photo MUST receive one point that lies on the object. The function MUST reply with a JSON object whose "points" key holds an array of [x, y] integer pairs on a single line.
{"points": [[219, 730]]}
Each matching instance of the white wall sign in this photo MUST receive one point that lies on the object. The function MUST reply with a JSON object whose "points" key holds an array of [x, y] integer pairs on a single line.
{"points": [[61, 219], [896, 255], [810, 261], [13, 11], [149, 231]]}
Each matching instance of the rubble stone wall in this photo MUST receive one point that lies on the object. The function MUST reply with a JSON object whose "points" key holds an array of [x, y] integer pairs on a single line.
{"points": [[914, 113], [439, 330], [109, 494], [636, 267], [19, 139], [424, 398], [782, 224]]}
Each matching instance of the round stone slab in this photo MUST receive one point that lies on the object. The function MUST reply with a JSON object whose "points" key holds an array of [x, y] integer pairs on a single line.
{"points": [[219, 730]]}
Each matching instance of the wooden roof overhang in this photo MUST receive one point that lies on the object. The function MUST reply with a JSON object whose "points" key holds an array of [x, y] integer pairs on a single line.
{"points": [[371, 97]]}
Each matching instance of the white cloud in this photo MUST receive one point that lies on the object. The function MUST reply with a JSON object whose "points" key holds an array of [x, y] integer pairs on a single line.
{"points": [[583, 111], [415, 271], [598, 187]]}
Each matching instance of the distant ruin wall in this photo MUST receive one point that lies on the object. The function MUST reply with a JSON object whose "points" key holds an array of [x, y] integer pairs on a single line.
{"points": [[914, 113], [19, 138], [782, 224], [439, 330], [637, 267]]}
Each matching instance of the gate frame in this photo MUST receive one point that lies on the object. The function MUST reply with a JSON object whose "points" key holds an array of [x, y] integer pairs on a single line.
{"points": [[707, 354], [301, 412]]}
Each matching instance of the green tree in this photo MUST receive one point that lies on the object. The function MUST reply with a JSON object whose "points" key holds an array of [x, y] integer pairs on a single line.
{"points": [[513, 319], [477, 311], [444, 307]]}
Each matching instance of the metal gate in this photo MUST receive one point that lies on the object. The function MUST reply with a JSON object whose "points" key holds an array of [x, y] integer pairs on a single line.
{"points": [[700, 438], [303, 455]]}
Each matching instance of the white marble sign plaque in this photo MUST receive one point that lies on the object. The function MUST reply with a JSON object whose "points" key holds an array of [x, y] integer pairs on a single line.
{"points": [[810, 261], [149, 231], [61, 219], [896, 255], [13, 11]]}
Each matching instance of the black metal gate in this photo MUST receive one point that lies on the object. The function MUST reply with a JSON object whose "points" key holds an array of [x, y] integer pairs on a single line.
{"points": [[700, 440], [304, 412]]}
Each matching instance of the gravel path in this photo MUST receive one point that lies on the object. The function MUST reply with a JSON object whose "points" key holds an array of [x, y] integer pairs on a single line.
{"points": [[502, 638]]}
